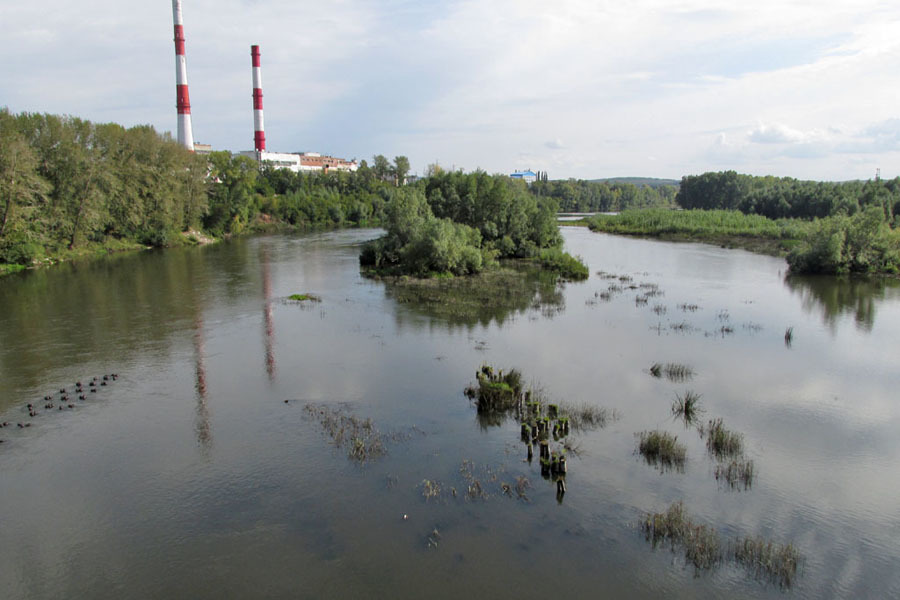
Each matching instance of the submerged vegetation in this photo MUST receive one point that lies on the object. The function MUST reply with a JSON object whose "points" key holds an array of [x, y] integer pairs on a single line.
{"points": [[704, 549], [304, 298], [492, 295], [362, 440]]}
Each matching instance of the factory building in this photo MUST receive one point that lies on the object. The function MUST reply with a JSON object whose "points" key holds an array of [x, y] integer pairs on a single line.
{"points": [[301, 161]]}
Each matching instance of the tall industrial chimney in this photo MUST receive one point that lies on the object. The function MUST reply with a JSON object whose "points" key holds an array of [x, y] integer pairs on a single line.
{"points": [[185, 134], [259, 131]]}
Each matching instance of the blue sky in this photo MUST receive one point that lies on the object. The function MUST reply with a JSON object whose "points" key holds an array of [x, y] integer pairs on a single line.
{"points": [[579, 88]]}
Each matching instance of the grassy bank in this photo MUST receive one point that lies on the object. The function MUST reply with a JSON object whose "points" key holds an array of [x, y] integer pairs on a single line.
{"points": [[731, 229]]}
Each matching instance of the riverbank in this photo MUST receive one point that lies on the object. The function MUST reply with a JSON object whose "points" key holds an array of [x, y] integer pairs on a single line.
{"points": [[728, 229]]}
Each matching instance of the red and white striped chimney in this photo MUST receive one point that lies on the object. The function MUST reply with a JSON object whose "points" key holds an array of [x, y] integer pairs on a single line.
{"points": [[259, 131], [185, 134]]}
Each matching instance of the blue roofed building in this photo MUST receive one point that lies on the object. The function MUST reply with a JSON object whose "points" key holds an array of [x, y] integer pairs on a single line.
{"points": [[528, 176]]}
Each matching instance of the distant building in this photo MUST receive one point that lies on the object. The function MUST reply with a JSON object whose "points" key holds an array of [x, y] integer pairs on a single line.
{"points": [[302, 161], [202, 148], [528, 176]]}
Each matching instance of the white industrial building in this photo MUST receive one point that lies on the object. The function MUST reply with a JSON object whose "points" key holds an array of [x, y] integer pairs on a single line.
{"points": [[301, 161]]}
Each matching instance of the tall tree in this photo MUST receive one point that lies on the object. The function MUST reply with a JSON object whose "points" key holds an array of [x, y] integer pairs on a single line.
{"points": [[401, 169], [381, 166], [20, 184]]}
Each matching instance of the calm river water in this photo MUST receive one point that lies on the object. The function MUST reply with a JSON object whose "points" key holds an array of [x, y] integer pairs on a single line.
{"points": [[190, 476]]}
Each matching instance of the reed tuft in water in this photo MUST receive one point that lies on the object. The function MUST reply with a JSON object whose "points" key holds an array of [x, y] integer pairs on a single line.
{"points": [[722, 442], [776, 563], [736, 473], [661, 448], [687, 407]]}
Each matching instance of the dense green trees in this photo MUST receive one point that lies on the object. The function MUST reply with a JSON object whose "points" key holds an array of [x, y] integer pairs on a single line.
{"points": [[785, 197], [66, 183], [458, 223], [599, 196]]}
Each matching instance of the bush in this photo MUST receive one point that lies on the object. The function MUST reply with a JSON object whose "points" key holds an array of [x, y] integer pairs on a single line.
{"points": [[568, 266]]}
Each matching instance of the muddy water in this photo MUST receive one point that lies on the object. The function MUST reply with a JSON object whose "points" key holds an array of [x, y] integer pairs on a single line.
{"points": [[190, 476]]}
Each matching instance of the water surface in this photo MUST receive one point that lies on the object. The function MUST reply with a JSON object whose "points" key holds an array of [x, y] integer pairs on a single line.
{"points": [[190, 476]]}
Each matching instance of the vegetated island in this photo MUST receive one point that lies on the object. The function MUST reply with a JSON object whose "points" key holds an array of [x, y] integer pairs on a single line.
{"points": [[828, 228], [463, 223]]}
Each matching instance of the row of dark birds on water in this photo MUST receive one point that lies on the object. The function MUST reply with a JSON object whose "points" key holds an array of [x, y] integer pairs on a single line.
{"points": [[63, 400]]}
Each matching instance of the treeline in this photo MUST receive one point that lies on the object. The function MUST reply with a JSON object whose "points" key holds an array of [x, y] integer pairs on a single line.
{"points": [[240, 194], [65, 182], [68, 185], [459, 223], [578, 195], [784, 197]]}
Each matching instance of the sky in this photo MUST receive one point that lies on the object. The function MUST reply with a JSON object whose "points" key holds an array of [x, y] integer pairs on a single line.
{"points": [[578, 88]]}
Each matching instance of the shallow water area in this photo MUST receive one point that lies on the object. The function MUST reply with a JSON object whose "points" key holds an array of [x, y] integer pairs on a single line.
{"points": [[199, 472]]}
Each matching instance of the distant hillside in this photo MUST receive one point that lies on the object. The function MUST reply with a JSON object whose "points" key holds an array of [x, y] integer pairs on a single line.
{"points": [[651, 181]]}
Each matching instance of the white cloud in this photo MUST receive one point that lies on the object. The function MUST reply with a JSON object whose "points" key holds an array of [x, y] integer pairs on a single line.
{"points": [[477, 82]]}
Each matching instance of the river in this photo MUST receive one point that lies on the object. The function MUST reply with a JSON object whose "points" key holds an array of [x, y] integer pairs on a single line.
{"points": [[201, 472]]}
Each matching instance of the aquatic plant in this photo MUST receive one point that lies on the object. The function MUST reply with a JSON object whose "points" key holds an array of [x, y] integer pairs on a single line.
{"points": [[688, 307], [736, 472], [659, 309], [722, 442], [662, 449], [777, 563], [584, 417], [687, 407], [641, 300], [701, 543], [304, 298], [360, 436], [788, 336], [656, 369]]}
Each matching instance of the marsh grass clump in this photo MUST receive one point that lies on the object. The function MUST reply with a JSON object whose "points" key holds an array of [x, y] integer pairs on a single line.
{"points": [[763, 559], [656, 369], [359, 436], [736, 473], [641, 301], [304, 298], [700, 543], [777, 563], [431, 490], [688, 307], [687, 407], [661, 448], [585, 417], [674, 372], [681, 327], [788, 336], [722, 442], [659, 309]]}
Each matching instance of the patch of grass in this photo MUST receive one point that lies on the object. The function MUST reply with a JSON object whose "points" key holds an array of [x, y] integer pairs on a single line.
{"points": [[688, 307], [777, 563], [661, 448], [586, 417], [701, 543], [567, 266], [7, 269], [687, 407], [304, 298], [736, 473], [703, 548], [674, 372], [722, 442]]}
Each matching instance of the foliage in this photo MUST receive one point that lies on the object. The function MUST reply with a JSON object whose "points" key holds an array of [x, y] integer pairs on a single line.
{"points": [[603, 196], [786, 197], [67, 183], [662, 448], [568, 266], [863, 243], [456, 223], [698, 224]]}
